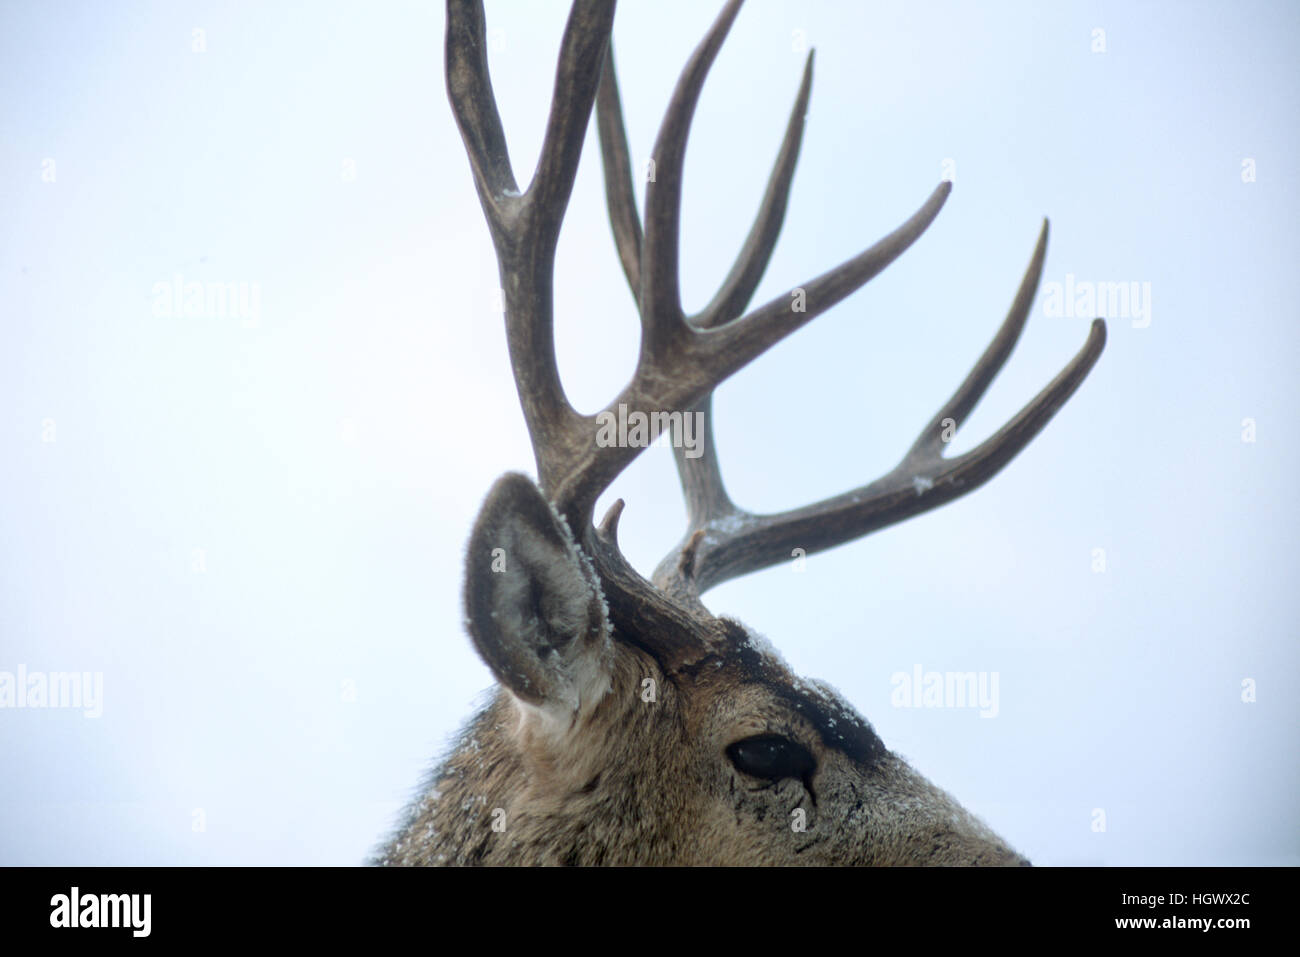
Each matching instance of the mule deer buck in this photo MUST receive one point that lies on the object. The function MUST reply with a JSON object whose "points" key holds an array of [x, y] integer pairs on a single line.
{"points": [[631, 725]]}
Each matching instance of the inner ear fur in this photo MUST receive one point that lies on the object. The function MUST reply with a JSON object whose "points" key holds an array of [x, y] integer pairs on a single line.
{"points": [[533, 602]]}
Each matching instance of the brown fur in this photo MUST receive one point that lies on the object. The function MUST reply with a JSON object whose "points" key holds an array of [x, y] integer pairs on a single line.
{"points": [[649, 783]]}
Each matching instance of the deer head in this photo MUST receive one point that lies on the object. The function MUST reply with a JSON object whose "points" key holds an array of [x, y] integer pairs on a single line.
{"points": [[632, 725]]}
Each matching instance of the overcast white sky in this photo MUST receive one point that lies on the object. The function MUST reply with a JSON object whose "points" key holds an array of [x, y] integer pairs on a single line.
{"points": [[253, 527]]}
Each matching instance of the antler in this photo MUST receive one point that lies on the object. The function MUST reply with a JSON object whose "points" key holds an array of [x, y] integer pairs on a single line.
{"points": [[724, 541], [679, 362], [682, 359]]}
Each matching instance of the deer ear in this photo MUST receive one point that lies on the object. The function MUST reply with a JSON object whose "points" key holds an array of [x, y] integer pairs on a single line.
{"points": [[533, 602]]}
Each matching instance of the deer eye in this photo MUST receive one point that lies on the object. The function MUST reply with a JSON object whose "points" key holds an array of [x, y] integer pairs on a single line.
{"points": [[771, 757]]}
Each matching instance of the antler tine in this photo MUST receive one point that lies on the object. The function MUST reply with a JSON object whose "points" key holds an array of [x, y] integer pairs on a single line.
{"points": [[469, 87], [706, 498], [525, 227], [701, 477], [663, 324], [668, 376], [741, 542], [729, 347], [931, 440], [616, 161], [738, 288], [715, 353], [582, 54]]}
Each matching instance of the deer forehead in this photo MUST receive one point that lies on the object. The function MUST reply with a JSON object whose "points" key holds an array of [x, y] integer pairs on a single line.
{"points": [[748, 688]]}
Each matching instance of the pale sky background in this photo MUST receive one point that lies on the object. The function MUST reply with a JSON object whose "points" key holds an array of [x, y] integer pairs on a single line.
{"points": [[254, 530]]}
